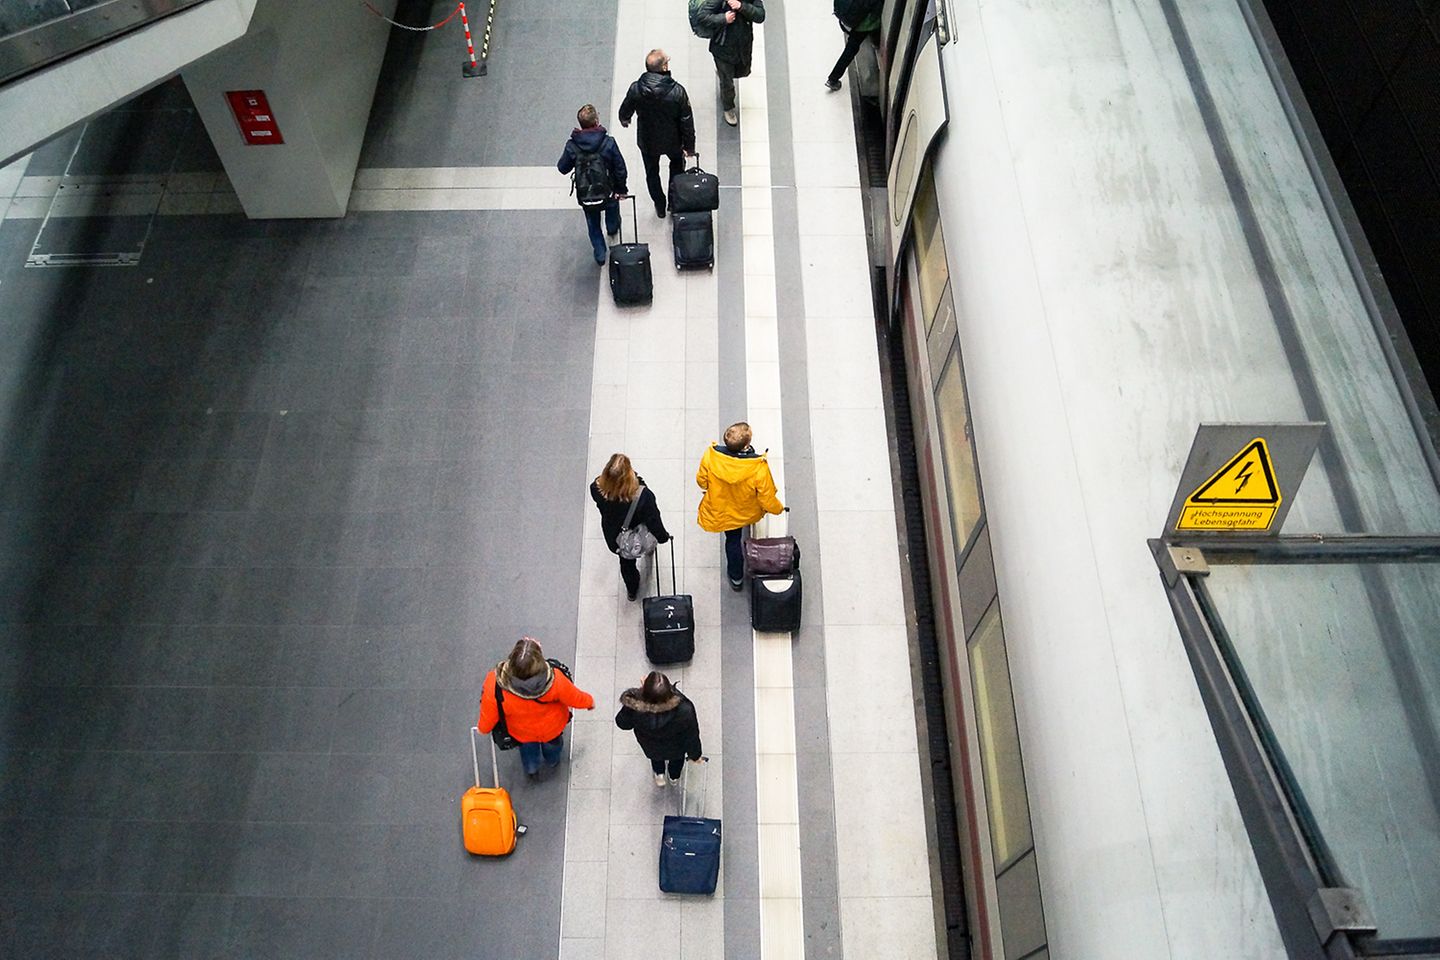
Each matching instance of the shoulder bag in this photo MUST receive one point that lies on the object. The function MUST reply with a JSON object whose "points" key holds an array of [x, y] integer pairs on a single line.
{"points": [[635, 542]]}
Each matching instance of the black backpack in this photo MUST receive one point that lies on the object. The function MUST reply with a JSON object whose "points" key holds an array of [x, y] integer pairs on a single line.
{"points": [[852, 13], [591, 182]]}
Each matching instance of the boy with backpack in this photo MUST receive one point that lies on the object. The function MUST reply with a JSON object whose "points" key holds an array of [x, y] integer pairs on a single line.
{"points": [[592, 158]]}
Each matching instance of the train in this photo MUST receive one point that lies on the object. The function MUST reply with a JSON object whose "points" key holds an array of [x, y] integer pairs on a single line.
{"points": [[1107, 225]]}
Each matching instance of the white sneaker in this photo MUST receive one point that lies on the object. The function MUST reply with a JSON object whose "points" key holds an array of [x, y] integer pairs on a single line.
{"points": [[732, 118], [660, 779]]}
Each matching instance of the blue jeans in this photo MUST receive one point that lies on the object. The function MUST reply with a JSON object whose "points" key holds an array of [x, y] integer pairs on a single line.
{"points": [[734, 558], [532, 753], [612, 225]]}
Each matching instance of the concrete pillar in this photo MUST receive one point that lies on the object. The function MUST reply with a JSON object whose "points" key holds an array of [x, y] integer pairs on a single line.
{"points": [[317, 62]]}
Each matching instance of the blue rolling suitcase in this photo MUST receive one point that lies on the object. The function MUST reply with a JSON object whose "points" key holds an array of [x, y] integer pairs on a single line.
{"points": [[690, 849]]}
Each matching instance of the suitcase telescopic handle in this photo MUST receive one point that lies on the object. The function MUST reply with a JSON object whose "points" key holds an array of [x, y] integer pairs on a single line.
{"points": [[674, 584], [475, 756], [685, 787], [634, 219]]}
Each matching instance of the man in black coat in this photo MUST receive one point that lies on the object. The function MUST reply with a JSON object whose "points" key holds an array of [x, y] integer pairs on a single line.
{"points": [[728, 25], [667, 127]]}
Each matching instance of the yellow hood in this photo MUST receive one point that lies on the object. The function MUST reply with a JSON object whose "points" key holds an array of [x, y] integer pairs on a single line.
{"points": [[739, 489]]}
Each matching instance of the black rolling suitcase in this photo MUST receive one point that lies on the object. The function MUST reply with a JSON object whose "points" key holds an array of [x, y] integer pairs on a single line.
{"points": [[694, 190], [775, 602], [693, 235], [630, 281], [773, 567], [690, 848], [669, 621]]}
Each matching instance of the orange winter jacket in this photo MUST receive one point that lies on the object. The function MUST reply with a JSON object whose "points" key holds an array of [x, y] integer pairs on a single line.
{"points": [[739, 489], [533, 720]]}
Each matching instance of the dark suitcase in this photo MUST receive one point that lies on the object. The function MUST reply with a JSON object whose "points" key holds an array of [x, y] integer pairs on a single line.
{"points": [[690, 849], [669, 622], [775, 602], [694, 190], [694, 237], [630, 280]]}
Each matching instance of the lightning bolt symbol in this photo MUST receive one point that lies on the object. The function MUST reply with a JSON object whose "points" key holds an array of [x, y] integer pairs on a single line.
{"points": [[1244, 477]]}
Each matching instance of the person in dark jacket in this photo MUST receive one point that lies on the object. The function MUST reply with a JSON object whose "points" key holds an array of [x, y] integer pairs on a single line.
{"points": [[860, 20], [617, 487], [728, 23], [666, 126], [665, 725], [590, 137]]}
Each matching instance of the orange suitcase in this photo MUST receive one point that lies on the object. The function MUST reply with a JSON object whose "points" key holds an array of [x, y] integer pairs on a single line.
{"points": [[487, 817]]}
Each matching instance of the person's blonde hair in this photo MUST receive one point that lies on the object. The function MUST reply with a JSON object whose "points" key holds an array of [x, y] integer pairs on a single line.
{"points": [[618, 481], [526, 659], [737, 436]]}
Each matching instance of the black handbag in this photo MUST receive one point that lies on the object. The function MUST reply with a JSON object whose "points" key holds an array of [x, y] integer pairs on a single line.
{"points": [[694, 190], [500, 733]]}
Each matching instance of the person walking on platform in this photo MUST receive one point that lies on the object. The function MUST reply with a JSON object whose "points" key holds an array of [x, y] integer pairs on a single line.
{"points": [[739, 490], [592, 158], [665, 725], [667, 128], [534, 696], [860, 19], [728, 25], [625, 502]]}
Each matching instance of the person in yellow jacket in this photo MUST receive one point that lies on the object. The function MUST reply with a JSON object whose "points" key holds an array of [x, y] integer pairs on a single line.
{"points": [[739, 490]]}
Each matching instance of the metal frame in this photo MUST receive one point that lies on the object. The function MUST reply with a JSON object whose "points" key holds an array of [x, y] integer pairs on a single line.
{"points": [[1318, 919], [44, 44]]}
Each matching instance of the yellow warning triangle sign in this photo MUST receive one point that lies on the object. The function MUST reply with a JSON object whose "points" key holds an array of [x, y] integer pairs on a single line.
{"points": [[1248, 479]]}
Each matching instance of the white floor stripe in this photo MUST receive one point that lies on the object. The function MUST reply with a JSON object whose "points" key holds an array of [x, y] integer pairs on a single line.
{"points": [[782, 922]]}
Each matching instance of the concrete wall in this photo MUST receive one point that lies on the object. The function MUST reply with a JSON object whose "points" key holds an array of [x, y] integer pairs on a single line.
{"points": [[317, 62]]}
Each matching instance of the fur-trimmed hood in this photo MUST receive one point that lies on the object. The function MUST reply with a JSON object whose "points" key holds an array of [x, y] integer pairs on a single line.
{"points": [[531, 688], [632, 698]]}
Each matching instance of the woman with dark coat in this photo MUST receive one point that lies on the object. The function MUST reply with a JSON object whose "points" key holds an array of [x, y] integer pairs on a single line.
{"points": [[665, 725], [613, 491]]}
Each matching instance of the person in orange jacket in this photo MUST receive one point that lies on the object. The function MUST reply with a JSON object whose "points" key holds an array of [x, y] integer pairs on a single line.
{"points": [[739, 490], [537, 700]]}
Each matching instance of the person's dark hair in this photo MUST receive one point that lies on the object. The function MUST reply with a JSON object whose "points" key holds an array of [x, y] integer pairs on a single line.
{"points": [[587, 116], [526, 659], [657, 688]]}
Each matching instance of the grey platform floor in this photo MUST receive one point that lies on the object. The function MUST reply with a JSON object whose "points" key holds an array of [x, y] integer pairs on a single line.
{"points": [[257, 495]]}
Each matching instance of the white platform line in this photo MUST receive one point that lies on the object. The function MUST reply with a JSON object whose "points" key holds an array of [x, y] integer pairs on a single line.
{"points": [[777, 794]]}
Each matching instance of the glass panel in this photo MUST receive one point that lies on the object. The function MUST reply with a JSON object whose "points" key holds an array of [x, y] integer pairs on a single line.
{"points": [[1344, 663], [903, 173], [1022, 921], [999, 741], [941, 335], [952, 415], [934, 272]]}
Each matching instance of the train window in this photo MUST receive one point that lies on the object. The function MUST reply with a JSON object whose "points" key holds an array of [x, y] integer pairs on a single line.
{"points": [[1009, 809], [952, 415], [902, 178], [941, 335], [934, 270], [1022, 919]]}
